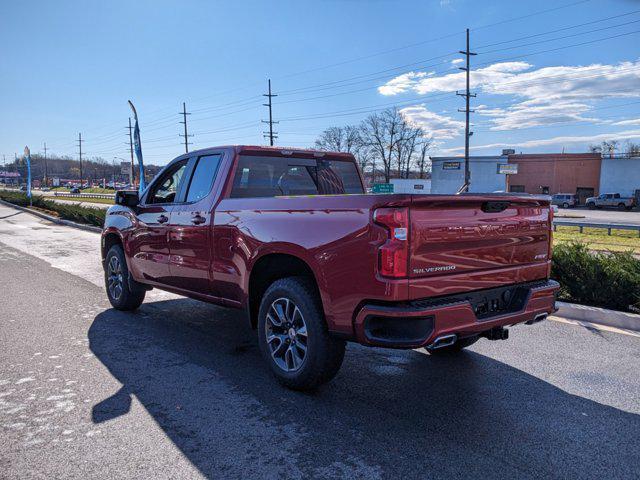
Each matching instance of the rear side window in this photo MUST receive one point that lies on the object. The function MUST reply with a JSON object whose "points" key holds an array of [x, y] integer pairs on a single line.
{"points": [[273, 176], [203, 176]]}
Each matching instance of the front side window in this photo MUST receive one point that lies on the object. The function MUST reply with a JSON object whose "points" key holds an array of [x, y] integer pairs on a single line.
{"points": [[168, 185], [203, 176], [258, 176]]}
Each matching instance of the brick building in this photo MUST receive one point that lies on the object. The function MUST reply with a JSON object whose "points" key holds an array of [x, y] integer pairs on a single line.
{"points": [[550, 173]]}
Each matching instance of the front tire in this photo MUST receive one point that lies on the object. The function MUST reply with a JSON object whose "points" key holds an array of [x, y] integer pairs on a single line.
{"points": [[117, 282], [591, 205], [293, 335], [565, 205]]}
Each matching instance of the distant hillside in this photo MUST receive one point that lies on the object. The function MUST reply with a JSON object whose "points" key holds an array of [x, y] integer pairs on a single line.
{"points": [[68, 168]]}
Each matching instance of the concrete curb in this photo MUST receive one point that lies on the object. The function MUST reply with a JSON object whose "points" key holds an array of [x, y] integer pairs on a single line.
{"points": [[60, 221], [601, 316]]}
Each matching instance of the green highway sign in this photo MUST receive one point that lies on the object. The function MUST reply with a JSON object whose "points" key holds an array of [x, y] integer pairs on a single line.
{"points": [[382, 188]]}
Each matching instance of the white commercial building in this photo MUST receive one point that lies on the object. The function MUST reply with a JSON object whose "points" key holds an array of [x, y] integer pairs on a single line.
{"points": [[620, 175], [411, 185], [447, 174]]}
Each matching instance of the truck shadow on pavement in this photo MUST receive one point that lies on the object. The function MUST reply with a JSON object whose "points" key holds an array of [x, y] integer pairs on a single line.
{"points": [[197, 370]]}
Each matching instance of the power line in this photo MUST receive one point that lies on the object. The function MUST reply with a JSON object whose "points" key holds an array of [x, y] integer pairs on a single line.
{"points": [[599, 20], [80, 155], [560, 38], [45, 164], [270, 134], [186, 135], [467, 97]]}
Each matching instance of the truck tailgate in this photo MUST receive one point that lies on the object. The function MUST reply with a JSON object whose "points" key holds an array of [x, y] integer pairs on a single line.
{"points": [[469, 234]]}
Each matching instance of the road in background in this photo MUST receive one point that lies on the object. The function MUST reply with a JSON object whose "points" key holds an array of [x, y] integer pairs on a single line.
{"points": [[599, 216], [178, 390]]}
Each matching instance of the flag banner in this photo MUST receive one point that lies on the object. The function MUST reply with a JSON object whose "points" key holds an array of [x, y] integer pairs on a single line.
{"points": [[27, 158], [138, 148]]}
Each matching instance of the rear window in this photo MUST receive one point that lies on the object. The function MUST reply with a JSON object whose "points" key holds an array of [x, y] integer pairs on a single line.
{"points": [[258, 176]]}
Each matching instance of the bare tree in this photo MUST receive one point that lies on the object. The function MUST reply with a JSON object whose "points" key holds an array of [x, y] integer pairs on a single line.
{"points": [[333, 139], [607, 147], [632, 149], [379, 133], [425, 145]]}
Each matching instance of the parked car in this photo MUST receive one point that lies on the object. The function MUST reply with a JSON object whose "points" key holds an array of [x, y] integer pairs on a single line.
{"points": [[23, 188], [611, 200], [291, 238], [74, 190], [565, 200]]}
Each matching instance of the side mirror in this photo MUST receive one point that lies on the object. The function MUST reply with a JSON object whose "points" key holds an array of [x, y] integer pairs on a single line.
{"points": [[127, 198]]}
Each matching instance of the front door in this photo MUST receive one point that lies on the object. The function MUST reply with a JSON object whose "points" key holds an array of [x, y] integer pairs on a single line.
{"points": [[190, 238], [150, 244]]}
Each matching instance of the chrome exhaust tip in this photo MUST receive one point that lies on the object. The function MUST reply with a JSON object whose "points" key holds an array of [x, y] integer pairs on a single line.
{"points": [[538, 318], [443, 341]]}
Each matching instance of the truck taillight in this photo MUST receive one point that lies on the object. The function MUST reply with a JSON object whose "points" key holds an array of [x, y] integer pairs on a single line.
{"points": [[393, 256]]}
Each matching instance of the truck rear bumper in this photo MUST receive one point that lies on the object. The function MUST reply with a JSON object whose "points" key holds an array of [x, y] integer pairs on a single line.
{"points": [[418, 323]]}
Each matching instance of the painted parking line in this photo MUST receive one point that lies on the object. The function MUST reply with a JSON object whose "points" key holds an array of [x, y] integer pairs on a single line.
{"points": [[595, 326]]}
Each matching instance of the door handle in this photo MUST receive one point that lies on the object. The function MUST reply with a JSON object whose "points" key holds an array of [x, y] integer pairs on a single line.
{"points": [[163, 219], [198, 219]]}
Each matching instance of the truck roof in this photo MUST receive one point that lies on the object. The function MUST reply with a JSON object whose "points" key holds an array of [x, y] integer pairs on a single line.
{"points": [[275, 151]]}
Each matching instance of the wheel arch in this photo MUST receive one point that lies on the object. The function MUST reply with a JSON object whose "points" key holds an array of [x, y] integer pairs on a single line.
{"points": [[109, 239], [271, 267]]}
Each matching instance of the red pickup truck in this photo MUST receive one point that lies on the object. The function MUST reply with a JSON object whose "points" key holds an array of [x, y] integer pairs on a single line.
{"points": [[291, 237]]}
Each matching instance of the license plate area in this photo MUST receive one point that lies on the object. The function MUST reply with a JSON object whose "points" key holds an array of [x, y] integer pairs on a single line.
{"points": [[499, 301]]}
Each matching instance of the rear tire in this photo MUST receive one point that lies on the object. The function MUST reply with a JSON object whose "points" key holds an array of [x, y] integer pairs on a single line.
{"points": [[118, 283], [622, 206], [456, 347], [293, 335], [565, 205]]}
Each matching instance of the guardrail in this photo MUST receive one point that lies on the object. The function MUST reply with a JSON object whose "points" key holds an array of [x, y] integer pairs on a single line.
{"points": [[84, 195], [608, 226]]}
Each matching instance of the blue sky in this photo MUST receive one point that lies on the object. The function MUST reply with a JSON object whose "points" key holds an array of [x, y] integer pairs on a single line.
{"points": [[70, 67]]}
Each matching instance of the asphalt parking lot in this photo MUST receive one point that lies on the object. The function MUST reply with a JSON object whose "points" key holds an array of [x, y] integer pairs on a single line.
{"points": [[178, 390]]}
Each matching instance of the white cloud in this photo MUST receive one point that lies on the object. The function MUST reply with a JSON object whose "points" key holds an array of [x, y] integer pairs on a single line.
{"points": [[438, 126], [401, 83], [456, 61], [635, 121], [555, 141], [523, 115], [545, 95]]}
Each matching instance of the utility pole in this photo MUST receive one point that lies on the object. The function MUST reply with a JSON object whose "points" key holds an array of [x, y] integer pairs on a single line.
{"points": [[270, 134], [80, 155], [467, 134], [46, 183], [186, 135], [131, 170]]}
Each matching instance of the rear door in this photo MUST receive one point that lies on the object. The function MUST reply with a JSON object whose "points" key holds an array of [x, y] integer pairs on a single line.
{"points": [[465, 234], [191, 234], [150, 246]]}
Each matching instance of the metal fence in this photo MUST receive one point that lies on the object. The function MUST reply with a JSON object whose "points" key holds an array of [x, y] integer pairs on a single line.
{"points": [[85, 195], [607, 226]]}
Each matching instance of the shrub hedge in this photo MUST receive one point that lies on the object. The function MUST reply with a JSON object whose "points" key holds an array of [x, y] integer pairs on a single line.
{"points": [[601, 279], [76, 213]]}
